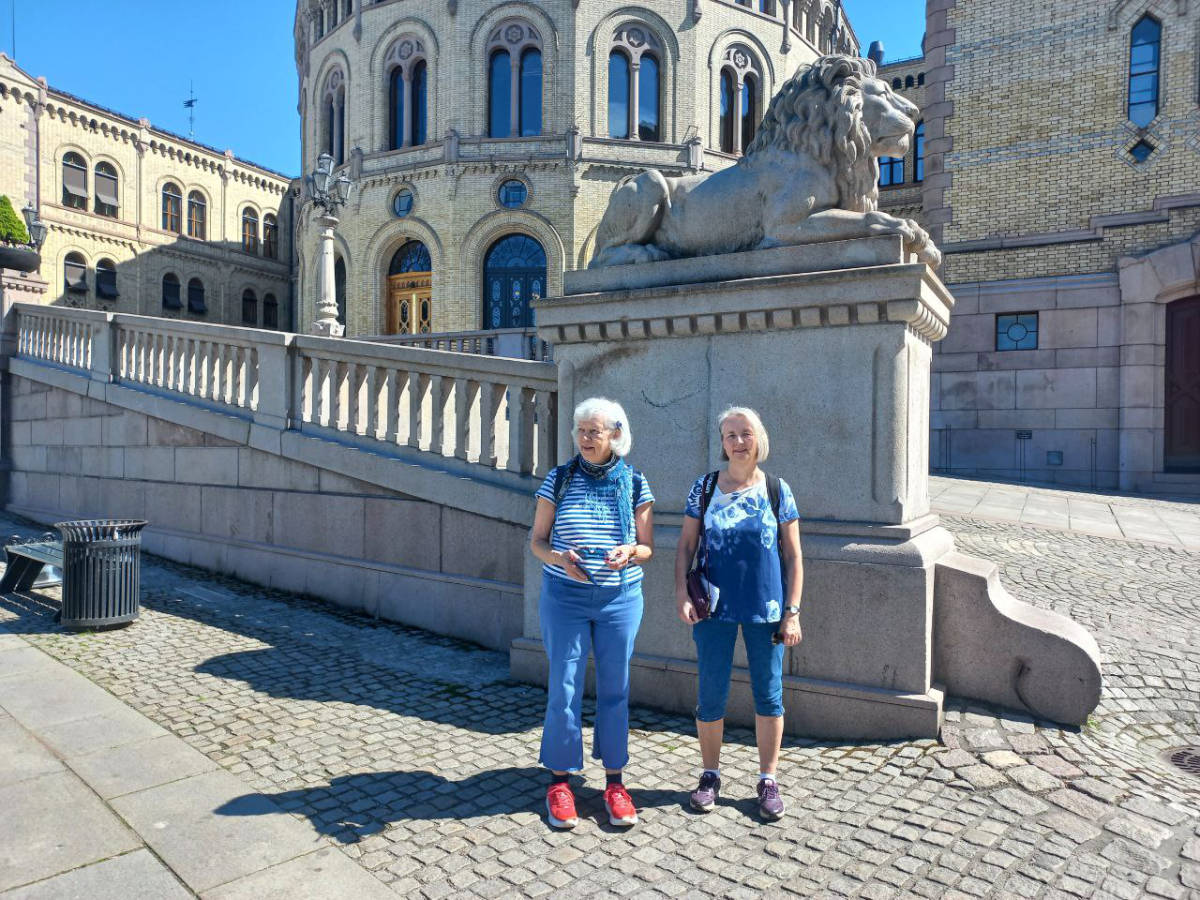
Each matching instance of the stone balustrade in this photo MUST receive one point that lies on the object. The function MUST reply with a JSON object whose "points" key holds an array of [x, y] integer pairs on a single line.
{"points": [[491, 411], [516, 343]]}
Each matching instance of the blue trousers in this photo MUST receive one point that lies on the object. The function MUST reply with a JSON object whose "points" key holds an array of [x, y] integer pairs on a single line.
{"points": [[714, 658], [578, 618]]}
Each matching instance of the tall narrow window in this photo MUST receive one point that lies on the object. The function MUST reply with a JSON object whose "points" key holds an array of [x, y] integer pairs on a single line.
{"points": [[249, 308], [397, 108], [531, 92], [648, 90], [727, 89], [919, 152], [75, 274], [891, 170], [419, 98], [197, 215], [196, 303], [172, 204], [333, 116], [618, 95], [1144, 48], [500, 95], [270, 236], [270, 311], [749, 111], [249, 230], [106, 190], [74, 175], [339, 288], [106, 280], [170, 292]]}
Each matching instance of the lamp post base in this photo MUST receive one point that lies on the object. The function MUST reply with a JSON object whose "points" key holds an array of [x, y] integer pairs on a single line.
{"points": [[328, 328]]}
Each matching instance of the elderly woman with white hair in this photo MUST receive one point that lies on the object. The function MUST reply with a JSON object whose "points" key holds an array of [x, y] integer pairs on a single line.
{"points": [[745, 524], [593, 530]]}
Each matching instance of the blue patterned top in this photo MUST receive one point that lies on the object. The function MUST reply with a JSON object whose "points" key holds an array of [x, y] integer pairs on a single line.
{"points": [[589, 519], [741, 554]]}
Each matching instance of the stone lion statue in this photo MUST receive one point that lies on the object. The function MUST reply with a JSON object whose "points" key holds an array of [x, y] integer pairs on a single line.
{"points": [[811, 174]]}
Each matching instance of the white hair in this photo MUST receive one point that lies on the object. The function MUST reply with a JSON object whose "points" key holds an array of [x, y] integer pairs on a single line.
{"points": [[761, 441], [613, 414]]}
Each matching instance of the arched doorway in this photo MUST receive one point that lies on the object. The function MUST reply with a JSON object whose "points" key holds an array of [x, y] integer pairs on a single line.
{"points": [[514, 275], [1181, 449], [410, 291]]}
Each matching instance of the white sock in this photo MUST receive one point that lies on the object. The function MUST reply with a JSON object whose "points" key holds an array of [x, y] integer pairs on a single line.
{"points": [[766, 776], [716, 772]]}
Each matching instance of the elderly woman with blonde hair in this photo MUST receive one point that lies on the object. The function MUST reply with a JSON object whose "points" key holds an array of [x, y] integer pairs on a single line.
{"points": [[593, 530], [745, 525]]}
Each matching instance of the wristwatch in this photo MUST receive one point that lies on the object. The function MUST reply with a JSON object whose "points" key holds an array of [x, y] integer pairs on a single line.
{"points": [[792, 610]]}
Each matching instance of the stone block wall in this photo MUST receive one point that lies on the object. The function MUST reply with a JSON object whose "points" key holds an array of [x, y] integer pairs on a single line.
{"points": [[225, 506]]}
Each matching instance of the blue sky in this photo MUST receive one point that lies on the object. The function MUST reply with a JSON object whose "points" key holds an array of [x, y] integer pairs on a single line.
{"points": [[239, 56]]}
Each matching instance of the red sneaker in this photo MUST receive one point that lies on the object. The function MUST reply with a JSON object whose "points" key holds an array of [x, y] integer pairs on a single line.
{"points": [[560, 806], [619, 805]]}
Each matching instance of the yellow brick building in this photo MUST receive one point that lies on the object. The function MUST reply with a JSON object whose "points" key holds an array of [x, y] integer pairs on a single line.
{"points": [[141, 220], [484, 138], [1062, 146]]}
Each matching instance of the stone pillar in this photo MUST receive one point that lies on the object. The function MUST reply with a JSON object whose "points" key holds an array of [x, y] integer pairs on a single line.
{"points": [[326, 322], [831, 343]]}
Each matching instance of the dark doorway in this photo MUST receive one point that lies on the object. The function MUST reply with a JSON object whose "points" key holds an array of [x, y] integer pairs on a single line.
{"points": [[514, 275], [1182, 400]]}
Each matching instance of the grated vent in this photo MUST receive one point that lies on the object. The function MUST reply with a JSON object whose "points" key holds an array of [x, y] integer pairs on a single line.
{"points": [[1186, 759]]}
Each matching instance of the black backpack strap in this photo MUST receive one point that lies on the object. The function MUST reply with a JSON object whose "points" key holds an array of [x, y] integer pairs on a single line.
{"points": [[707, 488], [562, 480], [637, 488], [774, 492]]}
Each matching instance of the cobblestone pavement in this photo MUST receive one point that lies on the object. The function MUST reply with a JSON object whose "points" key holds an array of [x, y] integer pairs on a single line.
{"points": [[416, 755]]}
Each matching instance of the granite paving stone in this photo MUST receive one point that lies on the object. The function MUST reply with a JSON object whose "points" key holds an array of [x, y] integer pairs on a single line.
{"points": [[411, 758]]}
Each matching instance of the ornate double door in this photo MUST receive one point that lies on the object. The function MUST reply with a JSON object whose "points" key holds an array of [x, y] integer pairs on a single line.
{"points": [[514, 276], [409, 303]]}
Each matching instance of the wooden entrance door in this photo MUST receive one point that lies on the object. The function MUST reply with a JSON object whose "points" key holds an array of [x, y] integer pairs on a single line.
{"points": [[1182, 401], [409, 303]]}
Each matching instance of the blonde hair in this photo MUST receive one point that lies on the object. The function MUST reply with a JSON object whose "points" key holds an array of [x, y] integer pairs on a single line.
{"points": [[613, 414], [761, 441]]}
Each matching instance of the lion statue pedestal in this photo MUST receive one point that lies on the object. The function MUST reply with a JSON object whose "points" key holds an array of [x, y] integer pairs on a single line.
{"points": [[776, 284]]}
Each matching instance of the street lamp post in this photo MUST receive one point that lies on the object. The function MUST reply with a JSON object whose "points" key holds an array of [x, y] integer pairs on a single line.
{"points": [[35, 226], [329, 194]]}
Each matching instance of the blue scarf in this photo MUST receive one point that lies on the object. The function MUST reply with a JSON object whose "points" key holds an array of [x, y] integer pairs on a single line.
{"points": [[617, 473]]}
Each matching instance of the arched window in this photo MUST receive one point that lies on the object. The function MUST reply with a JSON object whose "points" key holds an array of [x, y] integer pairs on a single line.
{"points": [[196, 304], [106, 280], [249, 308], [170, 292], [891, 170], [249, 230], [920, 79], [908, 81], [339, 288], [75, 274], [741, 86], [270, 236], [514, 275], [334, 116], [897, 84], [408, 93], [766, 6], [618, 94], [1144, 45], [106, 190], [270, 311], [74, 177], [749, 110], [514, 80], [531, 92], [919, 152], [634, 84], [197, 215], [172, 204], [728, 80], [410, 290]]}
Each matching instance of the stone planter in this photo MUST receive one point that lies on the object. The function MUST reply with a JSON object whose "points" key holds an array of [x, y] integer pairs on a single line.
{"points": [[19, 257]]}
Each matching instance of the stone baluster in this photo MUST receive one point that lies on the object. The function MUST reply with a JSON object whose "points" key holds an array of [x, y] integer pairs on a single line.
{"points": [[546, 406], [465, 392], [490, 397], [443, 387], [359, 417], [520, 429], [391, 405], [321, 393], [375, 382], [337, 394], [418, 390], [302, 390]]}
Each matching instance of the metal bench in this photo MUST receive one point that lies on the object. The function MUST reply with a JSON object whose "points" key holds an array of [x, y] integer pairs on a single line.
{"points": [[25, 563]]}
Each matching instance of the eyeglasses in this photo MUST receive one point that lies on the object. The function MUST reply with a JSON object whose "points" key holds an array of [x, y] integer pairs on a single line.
{"points": [[592, 434]]}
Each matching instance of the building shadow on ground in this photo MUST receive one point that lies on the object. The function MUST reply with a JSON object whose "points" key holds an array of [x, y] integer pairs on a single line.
{"points": [[353, 807]]}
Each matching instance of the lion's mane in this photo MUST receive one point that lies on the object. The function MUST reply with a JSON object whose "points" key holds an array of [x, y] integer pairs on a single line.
{"points": [[819, 112]]}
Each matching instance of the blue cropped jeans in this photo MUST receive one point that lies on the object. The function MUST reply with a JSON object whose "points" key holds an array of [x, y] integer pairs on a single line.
{"points": [[715, 642], [578, 618]]}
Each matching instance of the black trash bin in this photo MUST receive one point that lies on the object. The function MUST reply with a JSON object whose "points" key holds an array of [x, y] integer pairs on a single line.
{"points": [[102, 569]]}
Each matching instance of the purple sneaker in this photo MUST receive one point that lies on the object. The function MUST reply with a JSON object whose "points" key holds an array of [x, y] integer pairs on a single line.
{"points": [[704, 798], [770, 806]]}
